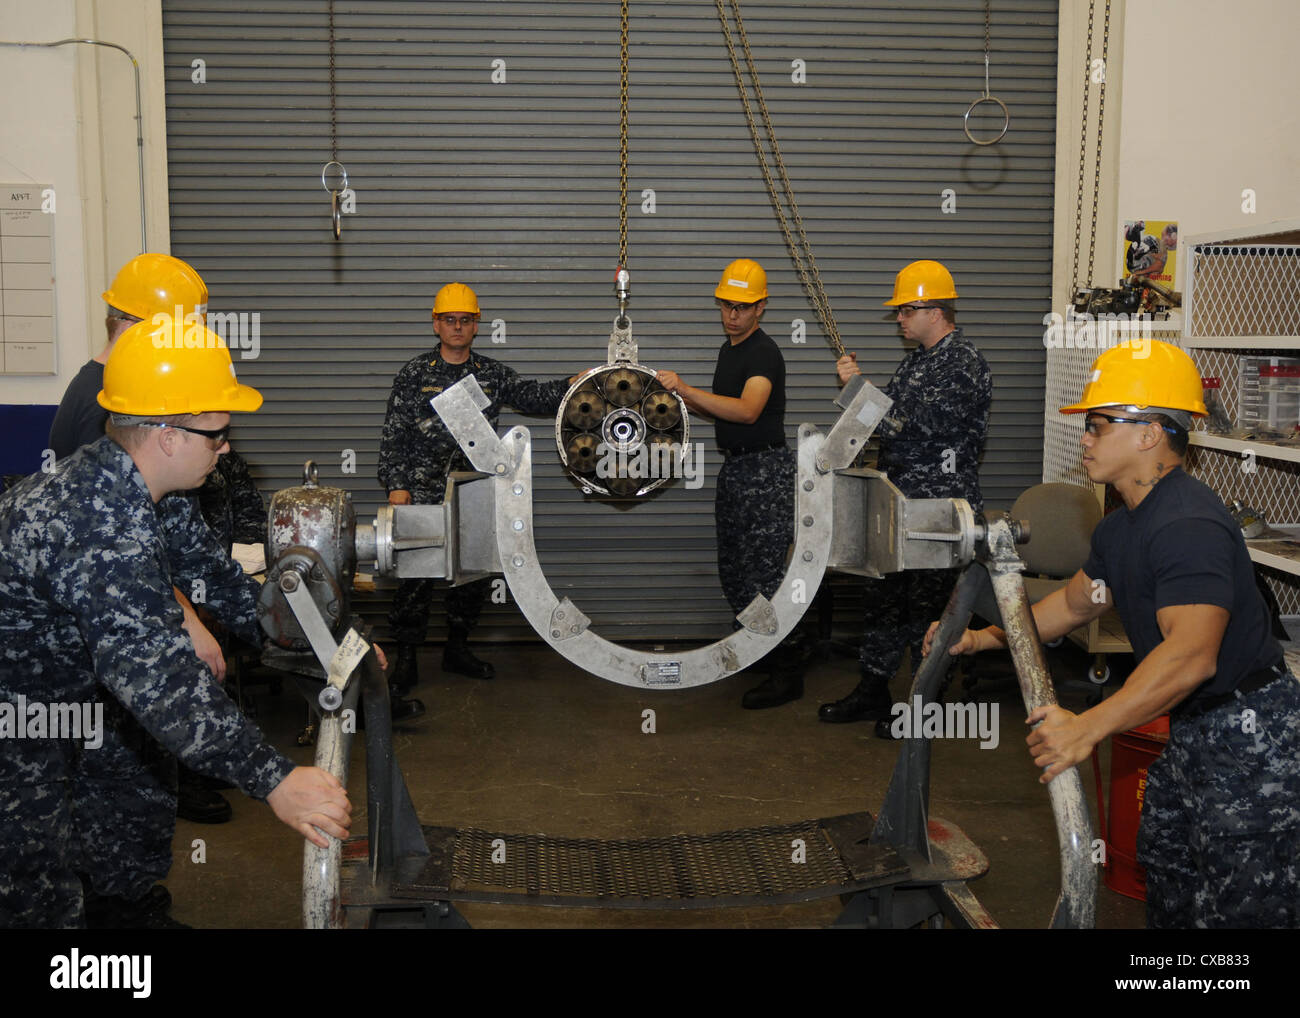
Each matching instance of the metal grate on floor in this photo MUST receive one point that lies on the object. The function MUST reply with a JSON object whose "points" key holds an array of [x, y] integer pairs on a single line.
{"points": [[786, 863]]}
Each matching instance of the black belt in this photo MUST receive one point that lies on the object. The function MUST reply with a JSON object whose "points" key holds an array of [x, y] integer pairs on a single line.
{"points": [[1252, 682], [745, 450]]}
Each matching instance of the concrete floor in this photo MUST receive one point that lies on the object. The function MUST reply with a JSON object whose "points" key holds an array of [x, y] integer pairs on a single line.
{"points": [[547, 748]]}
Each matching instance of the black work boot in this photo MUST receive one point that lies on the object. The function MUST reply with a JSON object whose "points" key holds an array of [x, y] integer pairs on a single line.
{"points": [[869, 701], [459, 660], [150, 912], [197, 803], [784, 685], [403, 708], [401, 680], [404, 675]]}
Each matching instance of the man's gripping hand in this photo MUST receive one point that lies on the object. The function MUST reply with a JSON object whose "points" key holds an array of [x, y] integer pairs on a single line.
{"points": [[971, 642], [1061, 741], [310, 798], [669, 380]]}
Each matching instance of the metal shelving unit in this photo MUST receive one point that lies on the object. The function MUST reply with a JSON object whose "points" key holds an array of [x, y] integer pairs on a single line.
{"points": [[1242, 296]]}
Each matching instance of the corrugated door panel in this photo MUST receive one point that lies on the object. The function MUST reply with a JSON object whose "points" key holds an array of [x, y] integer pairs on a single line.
{"points": [[511, 186]]}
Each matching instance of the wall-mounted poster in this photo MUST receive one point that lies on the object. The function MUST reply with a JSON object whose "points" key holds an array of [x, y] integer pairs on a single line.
{"points": [[1150, 247]]}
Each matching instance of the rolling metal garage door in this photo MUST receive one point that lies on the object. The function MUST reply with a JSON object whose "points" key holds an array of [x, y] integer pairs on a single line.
{"points": [[481, 140]]}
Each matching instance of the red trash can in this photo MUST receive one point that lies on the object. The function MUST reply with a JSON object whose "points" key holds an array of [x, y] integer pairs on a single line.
{"points": [[1131, 754]]}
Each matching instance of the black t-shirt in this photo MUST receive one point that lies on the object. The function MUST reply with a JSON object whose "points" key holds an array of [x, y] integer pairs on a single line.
{"points": [[1180, 546], [80, 419], [757, 354]]}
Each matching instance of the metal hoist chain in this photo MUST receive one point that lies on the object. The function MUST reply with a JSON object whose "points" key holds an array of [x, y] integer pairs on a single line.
{"points": [[335, 193], [334, 119], [809, 275], [1083, 146], [1101, 115], [622, 145]]}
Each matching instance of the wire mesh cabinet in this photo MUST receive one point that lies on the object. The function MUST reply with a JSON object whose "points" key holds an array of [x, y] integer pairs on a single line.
{"points": [[1242, 327]]}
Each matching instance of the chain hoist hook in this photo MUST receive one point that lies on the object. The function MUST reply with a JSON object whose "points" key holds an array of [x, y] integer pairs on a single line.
{"points": [[622, 287]]}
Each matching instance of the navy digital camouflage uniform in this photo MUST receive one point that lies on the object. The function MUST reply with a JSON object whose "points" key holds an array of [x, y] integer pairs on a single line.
{"points": [[87, 567], [231, 504], [131, 771], [942, 397], [754, 499], [410, 460], [754, 510], [1220, 829]]}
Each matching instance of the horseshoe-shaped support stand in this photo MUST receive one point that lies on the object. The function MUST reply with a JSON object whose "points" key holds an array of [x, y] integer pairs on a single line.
{"points": [[563, 625]]}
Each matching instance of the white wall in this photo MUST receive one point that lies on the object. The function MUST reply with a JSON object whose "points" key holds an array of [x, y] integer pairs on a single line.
{"points": [[68, 120], [1209, 109], [39, 145]]}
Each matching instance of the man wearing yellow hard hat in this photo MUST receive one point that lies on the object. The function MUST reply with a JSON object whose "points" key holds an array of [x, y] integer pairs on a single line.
{"points": [[1220, 829], [147, 285], [942, 391], [122, 888], [754, 504], [413, 468], [89, 555]]}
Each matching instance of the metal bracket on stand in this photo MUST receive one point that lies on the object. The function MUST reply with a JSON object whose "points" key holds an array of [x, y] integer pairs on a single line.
{"points": [[994, 588], [396, 843]]}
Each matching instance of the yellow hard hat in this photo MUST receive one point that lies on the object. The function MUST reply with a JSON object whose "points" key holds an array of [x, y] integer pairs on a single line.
{"points": [[1151, 374], [455, 299], [743, 281], [922, 281], [151, 284], [170, 366]]}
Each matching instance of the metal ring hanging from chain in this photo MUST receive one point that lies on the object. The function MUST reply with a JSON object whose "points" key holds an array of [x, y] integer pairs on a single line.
{"points": [[336, 212], [1006, 120], [986, 97]]}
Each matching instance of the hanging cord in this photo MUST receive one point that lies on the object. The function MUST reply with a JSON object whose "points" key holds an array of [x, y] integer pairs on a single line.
{"points": [[809, 276], [1083, 148]]}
